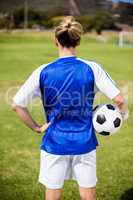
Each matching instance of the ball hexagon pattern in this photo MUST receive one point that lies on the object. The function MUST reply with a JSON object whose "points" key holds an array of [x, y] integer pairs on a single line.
{"points": [[107, 119]]}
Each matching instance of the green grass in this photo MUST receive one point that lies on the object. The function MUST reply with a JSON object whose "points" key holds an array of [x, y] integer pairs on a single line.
{"points": [[20, 54]]}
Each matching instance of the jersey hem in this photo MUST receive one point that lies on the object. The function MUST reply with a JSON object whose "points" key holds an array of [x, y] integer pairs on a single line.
{"points": [[78, 153]]}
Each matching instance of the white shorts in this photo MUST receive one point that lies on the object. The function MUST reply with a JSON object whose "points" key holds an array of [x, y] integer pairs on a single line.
{"points": [[54, 169]]}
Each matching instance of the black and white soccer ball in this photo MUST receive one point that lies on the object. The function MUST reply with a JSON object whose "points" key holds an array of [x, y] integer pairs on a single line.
{"points": [[107, 119]]}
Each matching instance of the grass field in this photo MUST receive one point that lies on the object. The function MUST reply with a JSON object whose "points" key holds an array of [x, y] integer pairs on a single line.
{"points": [[20, 54]]}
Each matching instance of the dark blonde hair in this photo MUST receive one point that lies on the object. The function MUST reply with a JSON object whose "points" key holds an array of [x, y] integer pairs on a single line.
{"points": [[69, 32]]}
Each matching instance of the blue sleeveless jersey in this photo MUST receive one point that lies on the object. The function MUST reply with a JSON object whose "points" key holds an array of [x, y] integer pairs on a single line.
{"points": [[67, 90]]}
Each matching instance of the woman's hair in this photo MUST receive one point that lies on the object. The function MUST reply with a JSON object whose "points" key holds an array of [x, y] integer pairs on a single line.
{"points": [[69, 32]]}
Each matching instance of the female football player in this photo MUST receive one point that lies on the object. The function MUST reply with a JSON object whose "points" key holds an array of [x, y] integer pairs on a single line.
{"points": [[67, 87]]}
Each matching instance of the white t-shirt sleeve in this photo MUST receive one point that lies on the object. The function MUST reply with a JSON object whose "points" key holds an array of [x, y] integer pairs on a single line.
{"points": [[29, 90], [103, 81]]}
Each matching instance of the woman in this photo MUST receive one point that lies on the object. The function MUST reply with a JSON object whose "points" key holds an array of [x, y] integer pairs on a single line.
{"points": [[67, 87]]}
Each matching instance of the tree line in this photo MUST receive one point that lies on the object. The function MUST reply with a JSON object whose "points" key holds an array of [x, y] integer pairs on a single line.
{"points": [[40, 20]]}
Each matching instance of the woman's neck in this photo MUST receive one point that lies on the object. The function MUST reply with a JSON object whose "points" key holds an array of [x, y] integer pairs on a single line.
{"points": [[63, 51]]}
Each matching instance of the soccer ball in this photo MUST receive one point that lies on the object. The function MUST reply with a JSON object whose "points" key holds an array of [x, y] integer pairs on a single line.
{"points": [[107, 119]]}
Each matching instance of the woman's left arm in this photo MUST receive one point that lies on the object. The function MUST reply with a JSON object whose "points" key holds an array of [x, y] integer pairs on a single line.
{"points": [[26, 117], [25, 94]]}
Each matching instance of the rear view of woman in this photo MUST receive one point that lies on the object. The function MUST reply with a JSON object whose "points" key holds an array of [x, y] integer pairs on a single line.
{"points": [[67, 87]]}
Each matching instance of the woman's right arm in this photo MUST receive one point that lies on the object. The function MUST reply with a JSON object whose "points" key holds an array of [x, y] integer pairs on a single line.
{"points": [[122, 105], [106, 85]]}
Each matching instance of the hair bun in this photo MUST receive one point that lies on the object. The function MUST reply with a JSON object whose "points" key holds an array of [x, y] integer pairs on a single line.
{"points": [[67, 21], [68, 25], [71, 29]]}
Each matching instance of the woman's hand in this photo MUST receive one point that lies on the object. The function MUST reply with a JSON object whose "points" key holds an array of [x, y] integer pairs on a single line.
{"points": [[122, 105], [26, 117], [41, 129]]}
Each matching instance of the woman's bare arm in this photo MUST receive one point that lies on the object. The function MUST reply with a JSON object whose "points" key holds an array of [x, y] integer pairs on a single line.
{"points": [[26, 117]]}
